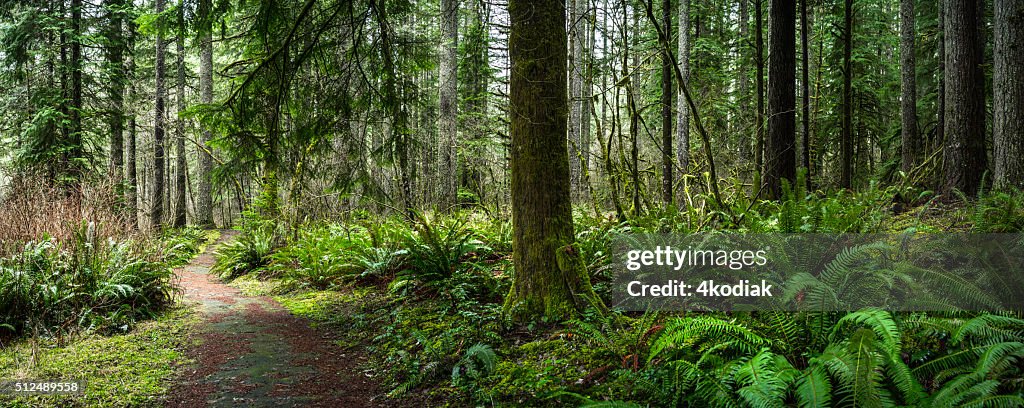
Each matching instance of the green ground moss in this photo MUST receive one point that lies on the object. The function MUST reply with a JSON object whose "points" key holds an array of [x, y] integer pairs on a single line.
{"points": [[129, 370]]}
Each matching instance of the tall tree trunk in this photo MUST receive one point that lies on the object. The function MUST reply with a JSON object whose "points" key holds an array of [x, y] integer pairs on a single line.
{"points": [[448, 103], [131, 173], [576, 23], [156, 212], [115, 60], [77, 149], [667, 161], [846, 139], [743, 86], [940, 125], [759, 56], [964, 162], [1008, 99], [393, 105], [908, 100], [204, 200], [632, 105], [587, 94], [180, 181], [551, 280], [683, 111], [780, 151], [805, 93]]}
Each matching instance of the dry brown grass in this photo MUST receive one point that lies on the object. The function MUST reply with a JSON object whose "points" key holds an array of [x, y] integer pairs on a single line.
{"points": [[31, 207]]}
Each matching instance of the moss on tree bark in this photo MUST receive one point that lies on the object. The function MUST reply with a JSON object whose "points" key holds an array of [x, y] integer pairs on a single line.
{"points": [[551, 279]]}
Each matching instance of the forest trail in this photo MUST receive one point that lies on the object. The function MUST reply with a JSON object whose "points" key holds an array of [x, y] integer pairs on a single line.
{"points": [[253, 352]]}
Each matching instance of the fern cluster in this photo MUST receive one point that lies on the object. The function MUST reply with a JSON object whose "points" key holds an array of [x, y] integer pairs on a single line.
{"points": [[52, 289]]}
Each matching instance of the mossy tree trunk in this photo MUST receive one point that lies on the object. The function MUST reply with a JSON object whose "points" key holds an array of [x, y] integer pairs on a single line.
{"points": [[551, 280]]}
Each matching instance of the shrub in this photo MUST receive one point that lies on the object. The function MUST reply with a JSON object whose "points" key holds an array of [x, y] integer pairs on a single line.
{"points": [[51, 288], [249, 252]]}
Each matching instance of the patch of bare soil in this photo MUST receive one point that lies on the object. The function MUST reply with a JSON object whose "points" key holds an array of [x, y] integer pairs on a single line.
{"points": [[252, 352]]}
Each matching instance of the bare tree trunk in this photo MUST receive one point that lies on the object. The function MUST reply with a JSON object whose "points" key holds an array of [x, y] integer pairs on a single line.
{"points": [[576, 26], [115, 58], [806, 93], [156, 213], [204, 202], [743, 85], [448, 104], [1008, 99], [940, 126], [964, 162], [180, 181], [846, 139], [759, 54], [667, 161], [131, 173], [682, 111], [780, 160], [908, 102]]}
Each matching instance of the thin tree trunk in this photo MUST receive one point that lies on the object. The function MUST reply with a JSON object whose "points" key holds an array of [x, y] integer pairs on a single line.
{"points": [[448, 104], [180, 181], [759, 54], [77, 149], [667, 161], [1008, 99], [131, 173], [115, 58], [846, 139], [806, 93], [156, 212], [682, 111], [908, 100], [204, 202], [575, 98], [743, 86]]}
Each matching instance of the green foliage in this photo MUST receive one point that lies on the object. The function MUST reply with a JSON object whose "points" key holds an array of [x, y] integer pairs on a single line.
{"points": [[247, 253], [181, 245], [51, 289], [444, 332], [1000, 212], [441, 257]]}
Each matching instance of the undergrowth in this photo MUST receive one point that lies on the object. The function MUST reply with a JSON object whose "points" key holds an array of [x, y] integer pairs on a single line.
{"points": [[423, 296]]}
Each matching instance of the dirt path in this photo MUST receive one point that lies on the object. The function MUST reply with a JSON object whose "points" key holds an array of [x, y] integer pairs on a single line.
{"points": [[254, 353]]}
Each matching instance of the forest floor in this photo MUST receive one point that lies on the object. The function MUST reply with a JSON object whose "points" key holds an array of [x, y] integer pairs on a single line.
{"points": [[252, 352]]}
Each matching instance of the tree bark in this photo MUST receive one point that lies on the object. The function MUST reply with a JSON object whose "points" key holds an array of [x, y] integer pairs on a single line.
{"points": [[667, 161], [204, 199], [759, 56], [780, 160], [576, 26], [131, 171], [743, 86], [115, 60], [683, 111], [940, 124], [846, 139], [180, 181], [550, 279], [806, 93], [448, 104], [908, 100], [1008, 99], [77, 149], [156, 212], [964, 162]]}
